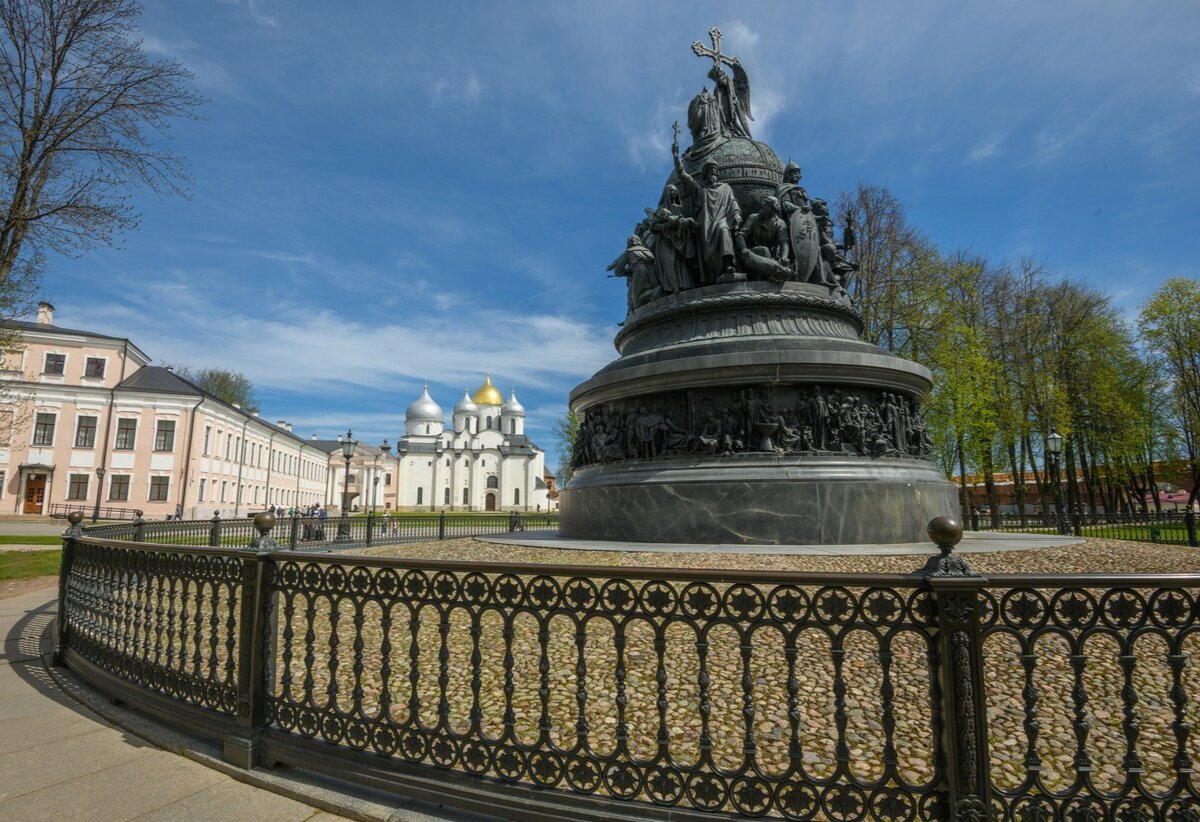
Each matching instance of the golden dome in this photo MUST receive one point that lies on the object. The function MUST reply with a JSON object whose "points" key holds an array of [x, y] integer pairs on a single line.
{"points": [[487, 394]]}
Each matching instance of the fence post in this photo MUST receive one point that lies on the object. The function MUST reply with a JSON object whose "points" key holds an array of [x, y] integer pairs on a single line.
{"points": [[1189, 521], [1077, 523], [294, 529], [68, 556], [954, 589], [370, 527], [974, 520], [214, 531], [442, 525], [139, 527], [241, 748]]}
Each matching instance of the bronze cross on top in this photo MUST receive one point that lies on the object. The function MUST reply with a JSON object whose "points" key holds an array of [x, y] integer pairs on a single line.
{"points": [[718, 58]]}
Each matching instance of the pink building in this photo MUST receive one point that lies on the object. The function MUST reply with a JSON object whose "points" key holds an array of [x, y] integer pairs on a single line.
{"points": [[86, 422]]}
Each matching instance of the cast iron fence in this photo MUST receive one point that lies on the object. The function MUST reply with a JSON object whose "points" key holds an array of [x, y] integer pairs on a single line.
{"points": [[332, 533], [59, 510], [1168, 527], [550, 692]]}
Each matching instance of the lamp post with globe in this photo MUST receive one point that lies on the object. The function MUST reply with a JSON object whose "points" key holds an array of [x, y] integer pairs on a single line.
{"points": [[348, 446], [1054, 444], [99, 490]]}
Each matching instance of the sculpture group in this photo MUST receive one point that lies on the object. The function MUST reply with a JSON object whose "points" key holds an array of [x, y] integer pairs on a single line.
{"points": [[840, 420], [698, 236], [744, 406]]}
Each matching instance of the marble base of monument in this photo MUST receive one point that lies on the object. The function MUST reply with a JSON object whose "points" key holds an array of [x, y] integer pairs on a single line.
{"points": [[757, 499]]}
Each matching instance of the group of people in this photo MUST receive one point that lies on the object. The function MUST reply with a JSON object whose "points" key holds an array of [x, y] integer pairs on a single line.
{"points": [[697, 237], [838, 421], [314, 517]]}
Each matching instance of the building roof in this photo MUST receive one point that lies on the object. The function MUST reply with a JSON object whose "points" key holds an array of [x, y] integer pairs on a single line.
{"points": [[488, 394], [47, 328], [160, 380]]}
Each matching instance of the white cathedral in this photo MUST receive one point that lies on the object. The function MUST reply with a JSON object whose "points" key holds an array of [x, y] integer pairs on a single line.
{"points": [[484, 463]]}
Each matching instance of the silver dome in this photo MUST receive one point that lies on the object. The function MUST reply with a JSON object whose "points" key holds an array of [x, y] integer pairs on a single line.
{"points": [[513, 407], [424, 409], [466, 405]]}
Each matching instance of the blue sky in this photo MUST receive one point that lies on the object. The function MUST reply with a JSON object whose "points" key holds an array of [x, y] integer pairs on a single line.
{"points": [[387, 193]]}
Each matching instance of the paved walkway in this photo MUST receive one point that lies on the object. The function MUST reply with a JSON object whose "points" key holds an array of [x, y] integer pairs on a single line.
{"points": [[60, 759]]}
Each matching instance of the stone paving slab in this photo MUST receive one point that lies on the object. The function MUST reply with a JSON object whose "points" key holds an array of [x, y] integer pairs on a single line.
{"points": [[62, 756], [972, 542]]}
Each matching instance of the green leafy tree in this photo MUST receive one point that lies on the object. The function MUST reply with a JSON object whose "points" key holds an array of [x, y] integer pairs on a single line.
{"points": [[233, 387], [1170, 327], [565, 428]]}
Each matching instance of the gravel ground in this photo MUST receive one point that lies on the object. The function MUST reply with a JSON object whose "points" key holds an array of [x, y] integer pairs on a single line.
{"points": [[1094, 556]]}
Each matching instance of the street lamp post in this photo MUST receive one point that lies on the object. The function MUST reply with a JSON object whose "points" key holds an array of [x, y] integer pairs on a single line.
{"points": [[387, 455], [348, 446], [99, 491], [374, 484], [1054, 444]]}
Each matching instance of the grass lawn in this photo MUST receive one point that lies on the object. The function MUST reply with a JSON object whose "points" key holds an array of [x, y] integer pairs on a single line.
{"points": [[28, 564], [1171, 533], [30, 539]]}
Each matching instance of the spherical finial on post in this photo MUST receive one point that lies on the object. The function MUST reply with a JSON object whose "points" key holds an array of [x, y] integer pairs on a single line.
{"points": [[946, 532], [75, 528], [264, 522]]}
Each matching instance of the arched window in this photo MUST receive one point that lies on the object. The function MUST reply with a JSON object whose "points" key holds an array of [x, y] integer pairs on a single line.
{"points": [[512, 426], [466, 496], [493, 481], [516, 496], [446, 497], [420, 495], [426, 428], [489, 422]]}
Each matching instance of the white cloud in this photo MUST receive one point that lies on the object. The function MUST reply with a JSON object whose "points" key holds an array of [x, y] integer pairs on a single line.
{"points": [[469, 89], [305, 347], [306, 258], [258, 10], [648, 147], [987, 147]]}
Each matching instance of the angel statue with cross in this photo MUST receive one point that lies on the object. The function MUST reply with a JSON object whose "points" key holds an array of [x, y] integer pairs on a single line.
{"points": [[731, 96]]}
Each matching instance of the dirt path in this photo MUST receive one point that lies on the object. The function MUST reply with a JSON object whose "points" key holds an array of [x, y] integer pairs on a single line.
{"points": [[16, 587]]}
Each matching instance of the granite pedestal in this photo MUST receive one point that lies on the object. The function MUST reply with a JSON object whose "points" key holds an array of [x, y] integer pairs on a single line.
{"points": [[744, 415]]}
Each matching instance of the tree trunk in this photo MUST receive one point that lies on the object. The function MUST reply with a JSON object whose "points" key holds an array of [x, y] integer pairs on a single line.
{"points": [[1018, 473], [1153, 483], [965, 497], [1072, 480], [1088, 477]]}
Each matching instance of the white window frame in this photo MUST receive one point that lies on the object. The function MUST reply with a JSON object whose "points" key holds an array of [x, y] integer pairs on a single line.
{"points": [[174, 430], [137, 425], [66, 355], [128, 487], [95, 429], [87, 486], [150, 484], [53, 432], [88, 376]]}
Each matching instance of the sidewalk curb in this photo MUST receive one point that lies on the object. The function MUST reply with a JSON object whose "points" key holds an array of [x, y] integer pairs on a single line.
{"points": [[325, 793]]}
